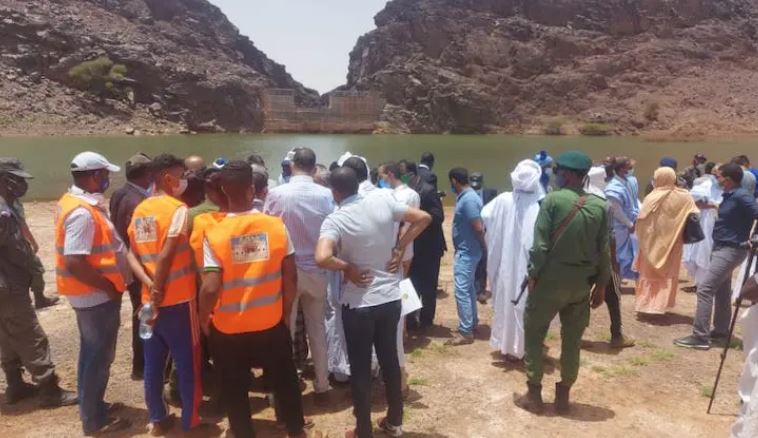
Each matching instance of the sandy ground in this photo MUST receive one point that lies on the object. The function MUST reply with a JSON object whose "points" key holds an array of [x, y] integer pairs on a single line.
{"points": [[651, 390]]}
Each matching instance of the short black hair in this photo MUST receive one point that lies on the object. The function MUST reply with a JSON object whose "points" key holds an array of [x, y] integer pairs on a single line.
{"points": [[393, 168], [621, 163], [427, 158], [459, 174], [164, 162], [407, 167], [709, 167], [344, 181], [358, 166], [742, 160], [374, 174], [335, 165], [236, 178], [256, 159], [732, 171], [305, 159]]}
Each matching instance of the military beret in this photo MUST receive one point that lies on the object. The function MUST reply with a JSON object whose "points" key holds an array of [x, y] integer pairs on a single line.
{"points": [[575, 160]]}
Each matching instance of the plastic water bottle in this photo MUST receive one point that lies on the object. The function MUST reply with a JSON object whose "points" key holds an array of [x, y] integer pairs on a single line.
{"points": [[146, 315]]}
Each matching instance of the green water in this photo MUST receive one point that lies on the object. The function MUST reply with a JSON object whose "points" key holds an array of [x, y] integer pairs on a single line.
{"points": [[48, 158]]}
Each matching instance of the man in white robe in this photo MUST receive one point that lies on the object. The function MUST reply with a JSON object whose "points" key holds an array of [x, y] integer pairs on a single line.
{"points": [[509, 223], [746, 425], [697, 257]]}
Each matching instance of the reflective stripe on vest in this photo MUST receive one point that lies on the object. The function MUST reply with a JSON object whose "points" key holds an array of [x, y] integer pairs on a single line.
{"points": [[153, 257], [102, 257], [257, 302]]}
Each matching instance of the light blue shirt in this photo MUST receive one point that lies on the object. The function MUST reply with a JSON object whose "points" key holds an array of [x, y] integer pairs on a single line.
{"points": [[468, 208], [363, 228], [303, 205]]}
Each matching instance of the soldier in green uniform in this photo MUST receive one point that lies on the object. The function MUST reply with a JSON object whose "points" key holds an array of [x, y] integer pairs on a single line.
{"points": [[569, 262]]}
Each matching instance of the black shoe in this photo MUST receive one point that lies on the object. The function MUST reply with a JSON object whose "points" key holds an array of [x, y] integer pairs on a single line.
{"points": [[53, 396], [562, 398], [112, 425], [43, 302], [692, 341], [18, 392], [718, 340], [532, 400]]}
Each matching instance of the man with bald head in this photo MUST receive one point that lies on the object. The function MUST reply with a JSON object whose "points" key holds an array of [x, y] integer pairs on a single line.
{"points": [[194, 163]]}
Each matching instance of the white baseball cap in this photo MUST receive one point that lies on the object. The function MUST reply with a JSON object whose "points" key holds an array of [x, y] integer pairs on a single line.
{"points": [[92, 161]]}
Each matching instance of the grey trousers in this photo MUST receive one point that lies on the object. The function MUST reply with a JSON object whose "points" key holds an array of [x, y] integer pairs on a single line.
{"points": [[717, 285], [23, 343]]}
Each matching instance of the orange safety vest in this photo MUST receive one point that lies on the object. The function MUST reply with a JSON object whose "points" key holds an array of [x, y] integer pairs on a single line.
{"points": [[148, 232], [103, 254], [200, 227], [250, 249]]}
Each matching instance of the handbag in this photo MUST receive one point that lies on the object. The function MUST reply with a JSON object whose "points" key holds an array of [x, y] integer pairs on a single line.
{"points": [[693, 232]]}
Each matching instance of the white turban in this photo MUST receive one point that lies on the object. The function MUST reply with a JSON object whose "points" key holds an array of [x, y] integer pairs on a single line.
{"points": [[341, 160], [596, 181], [526, 177]]}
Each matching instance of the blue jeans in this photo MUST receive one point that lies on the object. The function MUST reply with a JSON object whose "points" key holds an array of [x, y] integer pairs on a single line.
{"points": [[98, 331], [464, 274]]}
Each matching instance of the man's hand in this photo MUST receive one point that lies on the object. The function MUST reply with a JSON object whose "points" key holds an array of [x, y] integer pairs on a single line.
{"points": [[598, 295], [396, 261], [362, 279], [156, 295], [531, 284], [113, 293], [633, 228], [750, 289]]}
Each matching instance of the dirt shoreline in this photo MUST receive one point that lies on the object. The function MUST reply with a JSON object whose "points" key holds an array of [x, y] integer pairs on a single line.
{"points": [[652, 390]]}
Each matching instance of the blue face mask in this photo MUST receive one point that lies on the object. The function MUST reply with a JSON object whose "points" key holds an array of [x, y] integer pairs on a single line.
{"points": [[560, 180], [383, 184], [105, 183]]}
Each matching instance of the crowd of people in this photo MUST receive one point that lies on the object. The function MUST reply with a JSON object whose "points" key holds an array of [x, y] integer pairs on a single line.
{"points": [[228, 270]]}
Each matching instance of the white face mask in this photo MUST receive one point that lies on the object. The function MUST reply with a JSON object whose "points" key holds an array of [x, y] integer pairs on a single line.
{"points": [[182, 187]]}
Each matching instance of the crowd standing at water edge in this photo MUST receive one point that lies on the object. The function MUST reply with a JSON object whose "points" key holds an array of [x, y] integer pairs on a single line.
{"points": [[229, 271]]}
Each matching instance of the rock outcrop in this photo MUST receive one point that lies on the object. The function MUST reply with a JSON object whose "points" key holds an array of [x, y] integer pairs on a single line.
{"points": [[188, 68], [679, 67]]}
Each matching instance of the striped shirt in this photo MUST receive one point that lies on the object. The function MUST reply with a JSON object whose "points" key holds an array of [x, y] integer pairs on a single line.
{"points": [[79, 237], [303, 205]]}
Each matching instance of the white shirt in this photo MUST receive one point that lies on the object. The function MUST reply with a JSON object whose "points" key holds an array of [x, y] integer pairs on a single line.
{"points": [[363, 229], [303, 205], [210, 260], [79, 236], [366, 187], [409, 197]]}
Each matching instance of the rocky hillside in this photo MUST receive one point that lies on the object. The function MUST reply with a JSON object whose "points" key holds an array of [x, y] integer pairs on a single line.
{"points": [[187, 68], [670, 67]]}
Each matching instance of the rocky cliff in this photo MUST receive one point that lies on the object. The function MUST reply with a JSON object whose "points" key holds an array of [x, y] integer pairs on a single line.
{"points": [[188, 68], [674, 67]]}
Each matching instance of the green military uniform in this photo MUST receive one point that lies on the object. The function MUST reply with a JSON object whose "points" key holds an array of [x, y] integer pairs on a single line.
{"points": [[565, 272], [37, 268]]}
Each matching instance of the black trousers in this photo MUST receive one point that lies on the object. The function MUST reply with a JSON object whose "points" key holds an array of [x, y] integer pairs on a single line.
{"points": [[425, 273], [138, 348], [480, 277], [234, 355], [612, 300], [366, 327]]}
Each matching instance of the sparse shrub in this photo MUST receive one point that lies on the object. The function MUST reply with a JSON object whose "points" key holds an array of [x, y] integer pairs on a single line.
{"points": [[652, 111], [99, 76], [595, 129], [554, 127]]}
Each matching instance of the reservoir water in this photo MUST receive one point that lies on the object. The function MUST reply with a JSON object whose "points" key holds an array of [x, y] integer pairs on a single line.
{"points": [[48, 158]]}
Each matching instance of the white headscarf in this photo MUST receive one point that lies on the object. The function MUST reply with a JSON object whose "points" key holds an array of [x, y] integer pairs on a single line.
{"points": [[526, 177], [596, 181]]}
